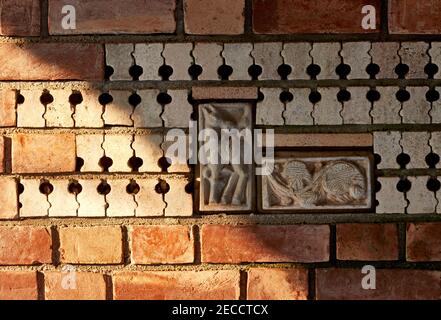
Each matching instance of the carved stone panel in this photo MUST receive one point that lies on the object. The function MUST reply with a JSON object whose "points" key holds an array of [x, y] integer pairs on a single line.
{"points": [[318, 181], [227, 185]]}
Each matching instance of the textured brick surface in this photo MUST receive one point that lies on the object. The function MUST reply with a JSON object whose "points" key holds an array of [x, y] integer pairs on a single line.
{"points": [[2, 154], [20, 18], [221, 93], [303, 16], [387, 146], [423, 242], [214, 16], [414, 17], [390, 200], [74, 286], [334, 284], [277, 284], [162, 245], [18, 285], [25, 245], [320, 140], [367, 242], [102, 16], [51, 61], [43, 153], [91, 245], [8, 198], [33, 202], [178, 285], [421, 200], [7, 108], [30, 111], [296, 243]]}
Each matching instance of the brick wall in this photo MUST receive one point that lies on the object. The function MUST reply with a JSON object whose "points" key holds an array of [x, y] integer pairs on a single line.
{"points": [[89, 208]]}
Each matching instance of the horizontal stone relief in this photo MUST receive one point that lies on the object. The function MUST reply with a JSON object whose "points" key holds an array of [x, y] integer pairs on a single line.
{"points": [[225, 187], [326, 181]]}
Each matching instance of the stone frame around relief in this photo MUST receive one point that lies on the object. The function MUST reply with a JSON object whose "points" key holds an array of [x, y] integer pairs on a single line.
{"points": [[359, 159]]}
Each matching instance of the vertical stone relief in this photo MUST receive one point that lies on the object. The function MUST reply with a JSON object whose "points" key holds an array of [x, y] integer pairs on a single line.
{"points": [[227, 181], [318, 181]]}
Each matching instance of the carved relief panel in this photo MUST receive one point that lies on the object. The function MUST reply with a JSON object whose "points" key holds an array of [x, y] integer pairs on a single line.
{"points": [[226, 177], [318, 181]]}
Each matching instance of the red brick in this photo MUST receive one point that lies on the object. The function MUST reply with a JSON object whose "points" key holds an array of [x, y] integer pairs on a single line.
{"points": [[25, 245], [221, 93], [415, 17], [2, 154], [20, 18], [38, 153], [424, 242], [214, 16], [74, 286], [51, 61], [235, 244], [18, 285], [177, 285], [398, 284], [305, 16], [7, 108], [115, 16], [91, 245], [162, 244], [277, 284], [367, 242]]}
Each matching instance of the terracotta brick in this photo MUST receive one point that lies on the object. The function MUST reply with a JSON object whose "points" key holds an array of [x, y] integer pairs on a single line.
{"points": [[323, 140], [277, 284], [20, 18], [74, 286], [214, 16], [367, 242], [224, 93], [2, 154], [91, 245], [7, 108], [25, 245], [414, 17], [424, 242], [110, 17], [51, 61], [18, 285], [177, 285], [8, 198], [162, 244], [304, 16], [38, 153], [391, 284], [294, 243]]}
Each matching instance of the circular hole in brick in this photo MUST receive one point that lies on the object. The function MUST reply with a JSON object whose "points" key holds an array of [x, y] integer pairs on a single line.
{"points": [[105, 163], [373, 69], [164, 163], [46, 98], [133, 187], [404, 185], [224, 72], [260, 96], [20, 99], [105, 98], [402, 95], [20, 188], [433, 184], [79, 163], [135, 72], [162, 187], [343, 70], [431, 69], [377, 186], [377, 159], [108, 72], [165, 72], [255, 71], [286, 96], [284, 71], [189, 187], [134, 99], [373, 95], [164, 98], [376, 203], [343, 95], [432, 159], [432, 95], [76, 98], [401, 70], [75, 188], [135, 163], [403, 159], [313, 70], [315, 97], [195, 71], [46, 188], [103, 188]]}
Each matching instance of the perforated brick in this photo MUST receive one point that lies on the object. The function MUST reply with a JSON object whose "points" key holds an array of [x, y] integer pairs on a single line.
{"points": [[33, 202], [356, 55], [90, 150], [356, 110], [385, 55], [118, 148], [435, 144], [299, 110], [387, 146], [149, 57], [92, 204], [238, 56], [119, 111], [268, 56], [150, 203], [119, 57], [178, 56], [390, 200], [416, 109], [414, 55], [326, 55], [327, 110], [177, 114], [176, 165], [62, 202], [421, 200], [59, 113], [88, 114], [208, 56], [148, 148], [387, 108], [297, 56], [435, 112], [179, 202], [435, 57], [147, 114], [120, 202], [416, 145], [269, 111], [30, 112]]}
